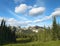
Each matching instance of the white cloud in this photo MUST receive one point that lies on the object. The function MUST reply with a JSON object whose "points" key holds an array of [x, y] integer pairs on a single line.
{"points": [[33, 10], [43, 19], [14, 22], [36, 11], [57, 9], [55, 13], [11, 22], [1, 19], [21, 8]]}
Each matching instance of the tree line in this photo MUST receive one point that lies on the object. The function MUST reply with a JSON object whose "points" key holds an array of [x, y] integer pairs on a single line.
{"points": [[8, 34]]}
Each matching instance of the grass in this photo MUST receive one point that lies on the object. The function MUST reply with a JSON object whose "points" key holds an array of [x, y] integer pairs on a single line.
{"points": [[36, 43]]}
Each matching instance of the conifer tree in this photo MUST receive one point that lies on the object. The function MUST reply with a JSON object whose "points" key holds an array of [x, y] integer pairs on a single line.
{"points": [[54, 28]]}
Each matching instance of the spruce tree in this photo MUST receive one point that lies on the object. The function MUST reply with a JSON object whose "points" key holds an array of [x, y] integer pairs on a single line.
{"points": [[54, 28]]}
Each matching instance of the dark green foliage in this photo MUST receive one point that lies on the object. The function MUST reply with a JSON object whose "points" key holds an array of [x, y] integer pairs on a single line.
{"points": [[13, 34], [6, 34], [55, 30], [58, 31]]}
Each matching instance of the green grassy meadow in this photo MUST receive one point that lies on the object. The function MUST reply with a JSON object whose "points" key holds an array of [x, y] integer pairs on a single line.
{"points": [[35, 43]]}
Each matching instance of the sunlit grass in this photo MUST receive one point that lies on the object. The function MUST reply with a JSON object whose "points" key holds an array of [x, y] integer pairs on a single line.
{"points": [[36, 43]]}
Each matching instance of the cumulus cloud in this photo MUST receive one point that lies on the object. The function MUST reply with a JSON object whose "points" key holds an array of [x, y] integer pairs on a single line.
{"points": [[55, 13], [36, 11], [33, 10], [22, 8]]}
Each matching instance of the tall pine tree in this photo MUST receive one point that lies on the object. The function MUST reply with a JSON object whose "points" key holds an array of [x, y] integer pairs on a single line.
{"points": [[54, 28]]}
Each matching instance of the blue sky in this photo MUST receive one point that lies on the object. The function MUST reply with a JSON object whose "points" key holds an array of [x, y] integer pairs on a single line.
{"points": [[29, 12]]}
